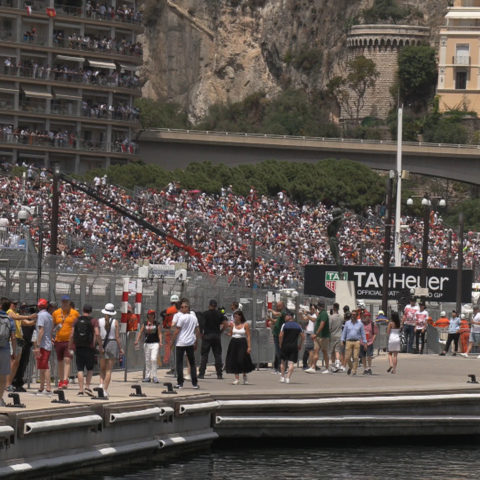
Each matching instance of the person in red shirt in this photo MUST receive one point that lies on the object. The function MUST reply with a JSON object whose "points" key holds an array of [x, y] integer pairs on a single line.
{"points": [[167, 316]]}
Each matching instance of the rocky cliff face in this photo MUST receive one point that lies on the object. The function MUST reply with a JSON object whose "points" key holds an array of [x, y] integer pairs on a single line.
{"points": [[198, 52]]}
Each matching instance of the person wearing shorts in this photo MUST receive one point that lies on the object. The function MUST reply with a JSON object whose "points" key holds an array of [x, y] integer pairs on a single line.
{"points": [[336, 325], [85, 349], [322, 335], [289, 344], [64, 318], [43, 346]]}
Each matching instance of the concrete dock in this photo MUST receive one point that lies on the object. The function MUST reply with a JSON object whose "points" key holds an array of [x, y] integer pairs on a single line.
{"points": [[429, 396]]}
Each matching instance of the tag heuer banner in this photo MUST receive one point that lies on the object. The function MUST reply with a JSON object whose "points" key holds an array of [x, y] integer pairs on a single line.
{"points": [[320, 280]]}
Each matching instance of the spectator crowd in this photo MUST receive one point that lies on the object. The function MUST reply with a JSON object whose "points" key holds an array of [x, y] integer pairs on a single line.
{"points": [[61, 138], [288, 236], [65, 73]]}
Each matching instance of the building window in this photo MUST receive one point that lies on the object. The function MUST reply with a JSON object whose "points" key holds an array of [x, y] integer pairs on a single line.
{"points": [[462, 54], [461, 80]]}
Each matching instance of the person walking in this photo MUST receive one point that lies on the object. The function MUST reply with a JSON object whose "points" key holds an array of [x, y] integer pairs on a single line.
{"points": [[64, 319], [289, 346], [7, 337], [279, 316], [336, 325], [167, 316], [474, 338], [309, 325], [421, 319], [153, 340], [112, 348], [353, 336], [186, 335], [212, 326], [453, 332], [238, 360], [409, 323], [85, 335], [322, 337], [366, 351], [393, 335], [43, 345]]}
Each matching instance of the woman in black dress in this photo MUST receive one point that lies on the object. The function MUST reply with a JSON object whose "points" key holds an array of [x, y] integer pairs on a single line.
{"points": [[238, 354]]}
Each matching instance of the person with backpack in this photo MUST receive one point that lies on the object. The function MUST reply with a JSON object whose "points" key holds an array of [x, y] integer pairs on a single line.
{"points": [[85, 335], [112, 348], [7, 335]]}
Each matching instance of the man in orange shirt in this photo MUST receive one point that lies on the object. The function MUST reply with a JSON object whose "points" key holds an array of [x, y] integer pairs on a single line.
{"points": [[443, 321], [64, 319], [168, 315]]}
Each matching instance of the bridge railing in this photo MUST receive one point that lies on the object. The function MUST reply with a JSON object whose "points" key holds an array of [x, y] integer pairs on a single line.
{"points": [[310, 139]]}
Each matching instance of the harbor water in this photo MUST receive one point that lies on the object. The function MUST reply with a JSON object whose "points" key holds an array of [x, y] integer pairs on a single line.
{"points": [[240, 460]]}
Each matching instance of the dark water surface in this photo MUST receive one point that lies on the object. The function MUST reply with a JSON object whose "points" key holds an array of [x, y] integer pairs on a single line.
{"points": [[456, 461]]}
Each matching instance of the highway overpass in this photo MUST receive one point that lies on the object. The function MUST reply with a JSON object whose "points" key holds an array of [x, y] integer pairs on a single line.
{"points": [[177, 148]]}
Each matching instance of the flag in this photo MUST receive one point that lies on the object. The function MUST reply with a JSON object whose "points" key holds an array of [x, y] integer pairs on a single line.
{"points": [[29, 10], [51, 12]]}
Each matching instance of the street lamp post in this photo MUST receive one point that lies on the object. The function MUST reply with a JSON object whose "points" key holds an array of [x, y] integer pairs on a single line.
{"points": [[40, 250], [23, 215], [387, 252], [55, 212], [461, 225], [427, 209]]}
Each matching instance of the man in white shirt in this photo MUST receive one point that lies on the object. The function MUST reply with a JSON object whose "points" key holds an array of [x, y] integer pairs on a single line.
{"points": [[186, 335], [421, 319], [474, 338]]}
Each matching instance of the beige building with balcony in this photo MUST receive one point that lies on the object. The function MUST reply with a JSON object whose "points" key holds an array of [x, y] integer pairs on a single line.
{"points": [[68, 81], [459, 57]]}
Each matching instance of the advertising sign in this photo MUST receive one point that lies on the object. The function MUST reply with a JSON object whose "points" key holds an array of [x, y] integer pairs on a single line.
{"points": [[320, 280]]}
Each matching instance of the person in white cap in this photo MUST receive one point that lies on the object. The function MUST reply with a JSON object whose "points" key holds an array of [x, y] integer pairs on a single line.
{"points": [[112, 348]]}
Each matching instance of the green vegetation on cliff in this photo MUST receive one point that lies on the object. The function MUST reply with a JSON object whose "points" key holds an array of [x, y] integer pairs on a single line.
{"points": [[292, 112]]}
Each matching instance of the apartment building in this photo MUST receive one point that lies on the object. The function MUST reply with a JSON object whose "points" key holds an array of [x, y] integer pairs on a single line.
{"points": [[68, 81], [459, 57]]}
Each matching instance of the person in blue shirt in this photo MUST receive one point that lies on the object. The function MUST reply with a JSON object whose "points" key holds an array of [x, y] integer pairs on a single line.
{"points": [[7, 329], [453, 333], [353, 335]]}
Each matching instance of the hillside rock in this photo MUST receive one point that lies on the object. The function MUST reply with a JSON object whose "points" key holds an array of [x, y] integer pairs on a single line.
{"points": [[199, 52]]}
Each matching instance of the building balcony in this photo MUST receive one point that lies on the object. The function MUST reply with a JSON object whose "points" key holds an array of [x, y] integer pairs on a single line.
{"points": [[63, 113], [127, 17], [461, 60], [66, 143], [66, 76]]}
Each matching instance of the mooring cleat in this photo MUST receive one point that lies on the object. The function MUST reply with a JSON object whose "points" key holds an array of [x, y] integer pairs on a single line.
{"points": [[169, 390], [138, 391]]}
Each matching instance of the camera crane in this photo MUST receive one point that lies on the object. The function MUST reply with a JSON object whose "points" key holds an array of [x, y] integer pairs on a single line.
{"points": [[91, 192]]}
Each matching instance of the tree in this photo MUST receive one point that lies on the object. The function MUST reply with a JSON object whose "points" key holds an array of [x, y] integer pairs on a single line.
{"points": [[157, 114], [417, 75], [350, 91], [384, 11]]}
